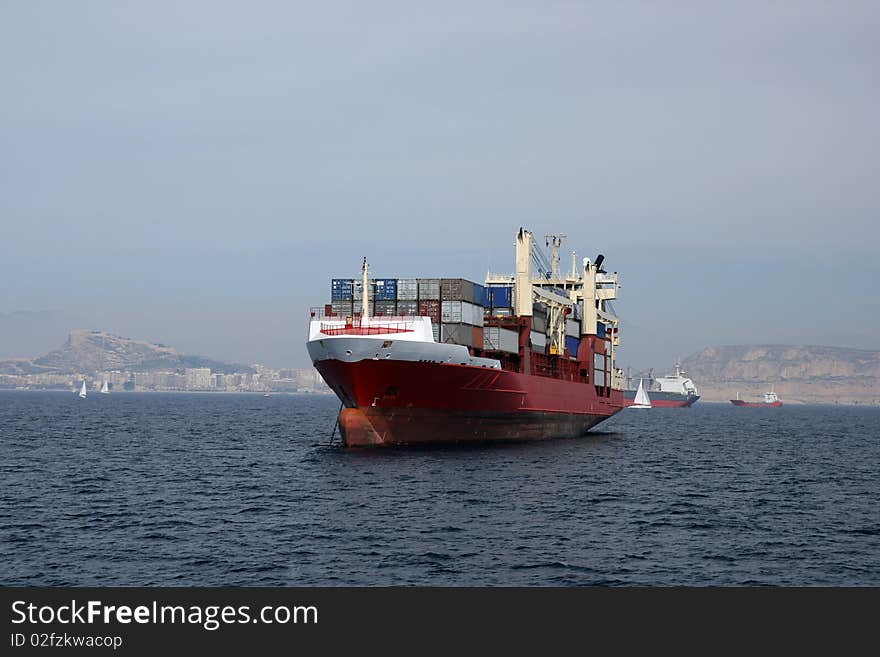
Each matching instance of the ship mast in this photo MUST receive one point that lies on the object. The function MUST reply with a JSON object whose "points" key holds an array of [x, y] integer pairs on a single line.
{"points": [[365, 300]]}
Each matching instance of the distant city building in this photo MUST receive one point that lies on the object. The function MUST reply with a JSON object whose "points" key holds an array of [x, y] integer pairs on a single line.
{"points": [[198, 378]]}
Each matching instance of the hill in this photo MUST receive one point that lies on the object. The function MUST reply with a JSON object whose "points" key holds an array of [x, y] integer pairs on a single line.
{"points": [[91, 351], [800, 374]]}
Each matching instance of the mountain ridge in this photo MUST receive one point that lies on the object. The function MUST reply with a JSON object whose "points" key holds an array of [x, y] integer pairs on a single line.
{"points": [[798, 373], [90, 350]]}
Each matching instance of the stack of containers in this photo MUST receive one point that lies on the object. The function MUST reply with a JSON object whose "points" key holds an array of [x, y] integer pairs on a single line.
{"points": [[358, 295], [429, 302], [386, 296], [341, 293], [461, 312], [408, 296], [538, 335]]}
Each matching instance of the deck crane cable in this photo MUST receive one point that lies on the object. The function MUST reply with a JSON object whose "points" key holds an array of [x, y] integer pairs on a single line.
{"points": [[540, 261]]}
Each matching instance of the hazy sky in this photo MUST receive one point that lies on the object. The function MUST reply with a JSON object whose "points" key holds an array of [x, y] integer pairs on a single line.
{"points": [[194, 173]]}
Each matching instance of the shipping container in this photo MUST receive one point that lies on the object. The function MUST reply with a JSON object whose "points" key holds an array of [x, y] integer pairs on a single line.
{"points": [[497, 312], [408, 308], [356, 308], [455, 333], [385, 307], [341, 308], [499, 339], [572, 345], [501, 297], [435, 329], [386, 289], [539, 340], [407, 289], [479, 295], [341, 289], [456, 289], [572, 328], [477, 339], [430, 308], [429, 288], [486, 301], [358, 290], [461, 312], [539, 323]]}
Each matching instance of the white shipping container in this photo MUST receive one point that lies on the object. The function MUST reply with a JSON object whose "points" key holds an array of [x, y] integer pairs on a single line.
{"points": [[539, 340], [476, 318], [499, 339], [407, 289], [435, 329], [461, 312], [572, 328]]}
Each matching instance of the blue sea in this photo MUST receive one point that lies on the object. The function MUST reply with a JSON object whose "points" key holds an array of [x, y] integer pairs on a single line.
{"points": [[133, 489]]}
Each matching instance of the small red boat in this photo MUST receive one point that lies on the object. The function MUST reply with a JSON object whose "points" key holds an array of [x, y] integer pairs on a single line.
{"points": [[771, 399]]}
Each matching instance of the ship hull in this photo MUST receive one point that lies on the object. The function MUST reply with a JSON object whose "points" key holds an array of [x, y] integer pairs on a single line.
{"points": [[662, 399], [371, 427], [390, 402], [740, 402]]}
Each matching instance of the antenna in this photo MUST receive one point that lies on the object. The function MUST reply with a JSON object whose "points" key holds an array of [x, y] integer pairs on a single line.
{"points": [[554, 241]]}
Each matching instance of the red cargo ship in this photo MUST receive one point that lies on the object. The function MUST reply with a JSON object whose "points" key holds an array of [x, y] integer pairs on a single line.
{"points": [[539, 365], [771, 400]]}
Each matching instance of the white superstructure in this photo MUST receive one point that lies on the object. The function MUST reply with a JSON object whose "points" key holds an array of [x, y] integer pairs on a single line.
{"points": [[676, 383], [385, 338]]}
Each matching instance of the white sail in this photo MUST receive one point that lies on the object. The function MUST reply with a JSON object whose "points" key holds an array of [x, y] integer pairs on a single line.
{"points": [[104, 389], [82, 391], [642, 400]]}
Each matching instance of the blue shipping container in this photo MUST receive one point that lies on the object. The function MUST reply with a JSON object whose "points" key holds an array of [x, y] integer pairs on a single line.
{"points": [[572, 345], [479, 295], [341, 289], [386, 289], [501, 297]]}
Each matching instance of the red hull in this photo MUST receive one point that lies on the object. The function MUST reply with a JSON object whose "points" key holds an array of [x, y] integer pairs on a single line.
{"points": [[739, 402], [404, 402]]}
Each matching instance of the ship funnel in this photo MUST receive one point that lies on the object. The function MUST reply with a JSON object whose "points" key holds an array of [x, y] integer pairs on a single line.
{"points": [[598, 262]]}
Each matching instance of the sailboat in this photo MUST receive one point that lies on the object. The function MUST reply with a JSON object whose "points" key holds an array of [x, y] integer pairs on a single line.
{"points": [[641, 400], [82, 391], [105, 390]]}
